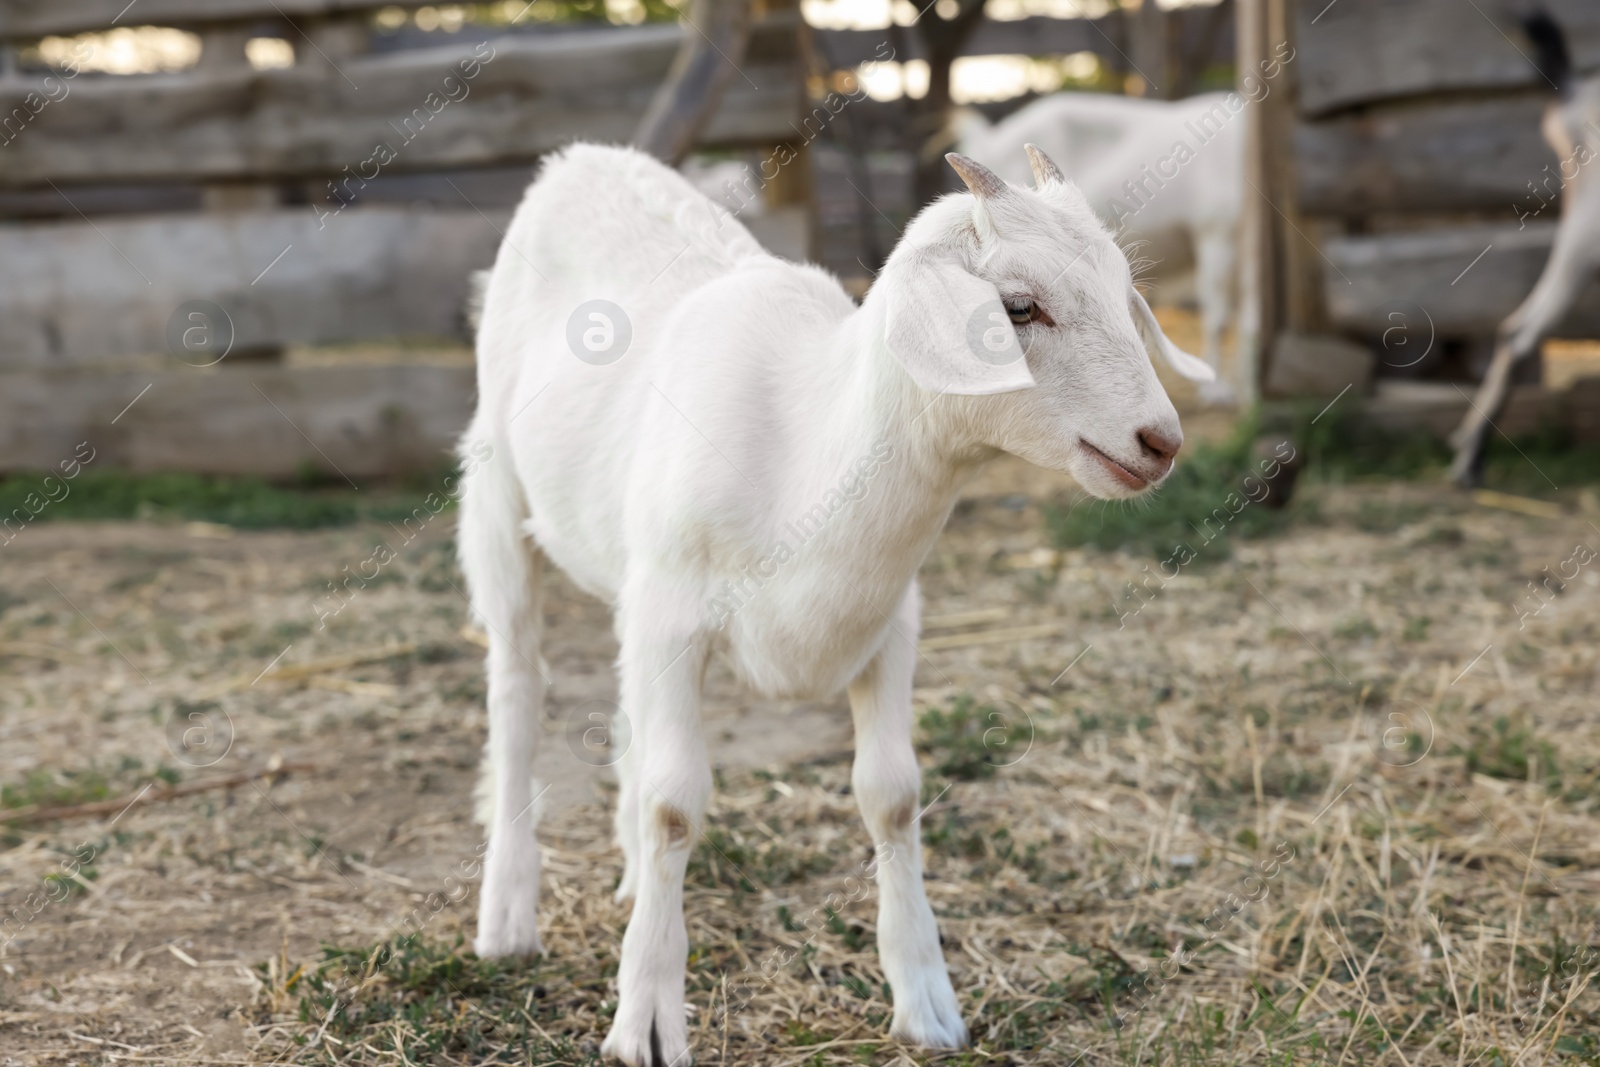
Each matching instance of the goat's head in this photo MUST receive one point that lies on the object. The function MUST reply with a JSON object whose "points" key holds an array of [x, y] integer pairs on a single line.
{"points": [[1021, 299]]}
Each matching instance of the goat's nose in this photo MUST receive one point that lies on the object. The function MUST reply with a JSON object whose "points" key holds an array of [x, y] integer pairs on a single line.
{"points": [[1160, 444]]}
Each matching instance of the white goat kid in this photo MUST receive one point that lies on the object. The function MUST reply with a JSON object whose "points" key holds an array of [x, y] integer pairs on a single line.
{"points": [[1005, 321], [1125, 154]]}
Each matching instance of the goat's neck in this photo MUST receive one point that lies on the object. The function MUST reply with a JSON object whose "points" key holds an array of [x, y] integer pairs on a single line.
{"points": [[865, 405]]}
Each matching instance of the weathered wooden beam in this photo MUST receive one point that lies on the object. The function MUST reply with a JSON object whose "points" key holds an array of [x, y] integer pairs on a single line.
{"points": [[75, 295], [72, 294], [350, 421], [1438, 407], [1479, 154], [1433, 284], [1035, 36], [506, 100], [1360, 51], [39, 18]]}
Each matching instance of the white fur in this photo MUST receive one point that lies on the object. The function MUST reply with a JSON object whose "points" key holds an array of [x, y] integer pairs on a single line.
{"points": [[1103, 142], [752, 389]]}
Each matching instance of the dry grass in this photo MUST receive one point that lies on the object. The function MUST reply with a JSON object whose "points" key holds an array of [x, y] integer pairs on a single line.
{"points": [[1344, 723]]}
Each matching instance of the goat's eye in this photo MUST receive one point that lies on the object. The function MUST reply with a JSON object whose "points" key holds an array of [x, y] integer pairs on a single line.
{"points": [[1023, 311]]}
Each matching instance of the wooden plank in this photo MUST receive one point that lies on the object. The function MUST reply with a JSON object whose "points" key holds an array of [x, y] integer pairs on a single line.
{"points": [[1437, 285], [525, 96], [1034, 36], [359, 420], [1360, 51], [1259, 226], [1425, 157], [39, 18], [73, 294], [1438, 407]]}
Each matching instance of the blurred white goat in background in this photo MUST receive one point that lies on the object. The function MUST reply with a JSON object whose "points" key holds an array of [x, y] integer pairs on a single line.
{"points": [[1166, 173]]}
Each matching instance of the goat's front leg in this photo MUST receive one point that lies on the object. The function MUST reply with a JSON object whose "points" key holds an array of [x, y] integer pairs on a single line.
{"points": [[663, 667], [1214, 269], [888, 786]]}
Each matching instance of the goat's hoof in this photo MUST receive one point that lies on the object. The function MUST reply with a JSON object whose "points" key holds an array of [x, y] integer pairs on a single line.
{"points": [[487, 947], [508, 926], [646, 1045], [927, 1014], [508, 905]]}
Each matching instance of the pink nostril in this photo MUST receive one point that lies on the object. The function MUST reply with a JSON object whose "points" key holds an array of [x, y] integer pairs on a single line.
{"points": [[1160, 445]]}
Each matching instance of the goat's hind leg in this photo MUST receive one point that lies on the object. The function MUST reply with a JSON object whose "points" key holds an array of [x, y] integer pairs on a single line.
{"points": [[888, 785], [626, 822], [505, 571]]}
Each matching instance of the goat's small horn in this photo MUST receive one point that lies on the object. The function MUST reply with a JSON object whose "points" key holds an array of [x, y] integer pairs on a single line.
{"points": [[1044, 169], [982, 181]]}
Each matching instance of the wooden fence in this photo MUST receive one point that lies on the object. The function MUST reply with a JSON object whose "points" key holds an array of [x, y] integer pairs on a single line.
{"points": [[1405, 213], [172, 234], [165, 237]]}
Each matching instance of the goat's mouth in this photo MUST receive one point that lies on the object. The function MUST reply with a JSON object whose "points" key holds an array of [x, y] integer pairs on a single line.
{"points": [[1122, 475]]}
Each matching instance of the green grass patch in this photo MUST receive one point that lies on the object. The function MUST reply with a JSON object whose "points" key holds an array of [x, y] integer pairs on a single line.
{"points": [[1207, 502], [62, 788], [1341, 447], [421, 1001], [1203, 503], [50, 789], [969, 740], [245, 502], [1511, 750], [727, 857]]}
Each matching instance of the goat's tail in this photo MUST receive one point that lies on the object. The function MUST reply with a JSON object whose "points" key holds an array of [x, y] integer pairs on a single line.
{"points": [[1550, 49], [504, 572]]}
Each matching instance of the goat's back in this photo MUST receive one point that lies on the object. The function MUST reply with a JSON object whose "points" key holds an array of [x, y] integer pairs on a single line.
{"points": [[606, 231], [599, 223]]}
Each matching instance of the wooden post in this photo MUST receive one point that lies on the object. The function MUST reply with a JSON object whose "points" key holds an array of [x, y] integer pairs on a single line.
{"points": [[1149, 25], [339, 37], [713, 47], [941, 41], [1299, 305], [222, 47], [1258, 319]]}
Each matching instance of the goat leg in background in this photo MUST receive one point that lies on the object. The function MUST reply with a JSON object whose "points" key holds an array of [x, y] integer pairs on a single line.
{"points": [[1572, 129], [1466, 469], [1573, 260]]}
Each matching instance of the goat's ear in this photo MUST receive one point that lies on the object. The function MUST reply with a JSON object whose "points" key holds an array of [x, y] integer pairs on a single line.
{"points": [[1191, 367], [951, 332]]}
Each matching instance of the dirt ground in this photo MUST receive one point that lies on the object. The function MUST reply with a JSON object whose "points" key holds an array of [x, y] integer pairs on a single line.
{"points": [[1350, 716]]}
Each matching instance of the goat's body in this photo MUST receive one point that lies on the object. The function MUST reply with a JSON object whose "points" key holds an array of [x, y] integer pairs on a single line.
{"points": [[758, 476], [1102, 141], [615, 463]]}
